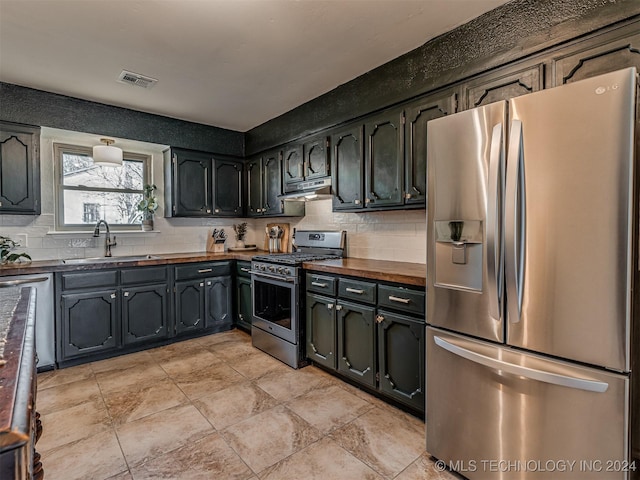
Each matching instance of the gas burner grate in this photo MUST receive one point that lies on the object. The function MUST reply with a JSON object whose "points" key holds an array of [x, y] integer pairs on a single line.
{"points": [[294, 258]]}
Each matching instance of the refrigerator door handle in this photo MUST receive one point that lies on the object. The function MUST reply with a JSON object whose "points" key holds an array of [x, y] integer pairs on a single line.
{"points": [[532, 373], [494, 206], [515, 223]]}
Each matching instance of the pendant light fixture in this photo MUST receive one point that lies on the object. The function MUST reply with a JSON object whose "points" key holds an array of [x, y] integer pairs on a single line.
{"points": [[106, 155]]}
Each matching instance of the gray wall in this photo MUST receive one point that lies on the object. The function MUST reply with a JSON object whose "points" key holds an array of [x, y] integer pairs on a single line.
{"points": [[510, 32], [35, 107]]}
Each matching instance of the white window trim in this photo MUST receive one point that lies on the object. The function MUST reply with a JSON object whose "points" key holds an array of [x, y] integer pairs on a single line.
{"points": [[58, 149]]}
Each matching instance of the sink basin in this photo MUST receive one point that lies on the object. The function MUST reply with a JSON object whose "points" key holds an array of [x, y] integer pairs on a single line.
{"points": [[129, 258]]}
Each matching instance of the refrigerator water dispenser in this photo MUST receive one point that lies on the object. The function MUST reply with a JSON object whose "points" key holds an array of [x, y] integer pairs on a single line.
{"points": [[458, 255]]}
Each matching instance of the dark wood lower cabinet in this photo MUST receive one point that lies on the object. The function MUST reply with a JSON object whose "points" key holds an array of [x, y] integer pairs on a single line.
{"points": [[189, 305], [90, 322], [243, 302], [144, 313], [401, 345], [356, 342], [321, 329], [217, 303]]}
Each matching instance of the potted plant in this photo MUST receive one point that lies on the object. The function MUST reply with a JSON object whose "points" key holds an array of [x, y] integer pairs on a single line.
{"points": [[148, 206], [241, 231], [6, 246]]}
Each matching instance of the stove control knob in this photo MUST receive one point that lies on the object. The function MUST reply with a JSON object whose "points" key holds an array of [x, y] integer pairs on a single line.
{"points": [[287, 271], [281, 270], [262, 267], [272, 268]]}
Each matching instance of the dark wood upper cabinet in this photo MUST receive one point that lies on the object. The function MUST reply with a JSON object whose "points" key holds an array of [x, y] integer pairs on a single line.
{"points": [[201, 184], [292, 166], [254, 187], [417, 116], [227, 188], [384, 159], [347, 168], [599, 55], [498, 86], [272, 168], [19, 169], [316, 158], [187, 183]]}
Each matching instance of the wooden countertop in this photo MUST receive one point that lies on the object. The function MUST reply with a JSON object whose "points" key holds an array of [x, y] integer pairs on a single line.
{"points": [[400, 272], [45, 266], [390, 271]]}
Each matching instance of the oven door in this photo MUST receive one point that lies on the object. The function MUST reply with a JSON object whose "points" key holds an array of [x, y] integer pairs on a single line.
{"points": [[276, 306]]}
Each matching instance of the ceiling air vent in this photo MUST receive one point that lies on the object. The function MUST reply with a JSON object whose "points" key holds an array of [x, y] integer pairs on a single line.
{"points": [[136, 79]]}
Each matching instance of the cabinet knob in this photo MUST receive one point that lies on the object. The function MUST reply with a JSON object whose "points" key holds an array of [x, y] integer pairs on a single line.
{"points": [[407, 196], [202, 284], [208, 210], [330, 306], [379, 318], [338, 307], [217, 210], [356, 202], [367, 200], [209, 283], [126, 294], [113, 295]]}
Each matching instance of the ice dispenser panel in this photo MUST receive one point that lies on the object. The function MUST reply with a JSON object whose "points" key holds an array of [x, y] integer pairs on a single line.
{"points": [[458, 258]]}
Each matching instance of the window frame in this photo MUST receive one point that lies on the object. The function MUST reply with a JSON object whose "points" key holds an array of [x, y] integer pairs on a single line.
{"points": [[61, 148]]}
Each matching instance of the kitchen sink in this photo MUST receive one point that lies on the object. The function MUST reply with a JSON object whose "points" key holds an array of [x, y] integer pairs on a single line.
{"points": [[129, 258]]}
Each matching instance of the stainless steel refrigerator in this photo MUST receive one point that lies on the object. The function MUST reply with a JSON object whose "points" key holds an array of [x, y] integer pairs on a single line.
{"points": [[531, 264]]}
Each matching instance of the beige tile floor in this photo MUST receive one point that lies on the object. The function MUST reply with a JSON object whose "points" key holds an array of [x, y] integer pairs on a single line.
{"points": [[217, 408]]}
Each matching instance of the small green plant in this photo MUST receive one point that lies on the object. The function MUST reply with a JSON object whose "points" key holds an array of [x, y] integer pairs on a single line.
{"points": [[6, 246], [148, 205], [241, 230]]}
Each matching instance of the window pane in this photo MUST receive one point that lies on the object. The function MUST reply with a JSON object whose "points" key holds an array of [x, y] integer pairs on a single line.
{"points": [[89, 207], [79, 170]]}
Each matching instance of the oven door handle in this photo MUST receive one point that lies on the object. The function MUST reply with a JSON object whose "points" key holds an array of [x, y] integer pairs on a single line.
{"points": [[273, 277]]}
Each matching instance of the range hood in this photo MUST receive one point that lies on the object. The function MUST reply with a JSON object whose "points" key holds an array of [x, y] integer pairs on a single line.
{"points": [[309, 191]]}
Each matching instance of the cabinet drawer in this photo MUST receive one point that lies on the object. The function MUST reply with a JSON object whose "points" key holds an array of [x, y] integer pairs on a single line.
{"points": [[357, 290], [401, 298], [243, 269], [103, 278], [202, 270], [321, 284], [133, 276]]}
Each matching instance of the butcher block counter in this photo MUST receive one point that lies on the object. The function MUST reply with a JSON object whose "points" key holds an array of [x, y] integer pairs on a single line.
{"points": [[20, 426], [389, 271]]}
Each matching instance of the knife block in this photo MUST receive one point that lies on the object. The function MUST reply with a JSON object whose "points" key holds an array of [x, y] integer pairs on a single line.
{"points": [[213, 247]]}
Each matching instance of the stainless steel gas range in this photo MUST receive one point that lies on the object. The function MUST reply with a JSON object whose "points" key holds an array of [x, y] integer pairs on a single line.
{"points": [[277, 282]]}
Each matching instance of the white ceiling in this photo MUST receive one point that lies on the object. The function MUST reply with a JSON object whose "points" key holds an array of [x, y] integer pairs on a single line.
{"points": [[229, 63]]}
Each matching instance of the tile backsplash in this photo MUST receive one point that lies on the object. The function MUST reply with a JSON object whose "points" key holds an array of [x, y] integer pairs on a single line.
{"points": [[396, 235]]}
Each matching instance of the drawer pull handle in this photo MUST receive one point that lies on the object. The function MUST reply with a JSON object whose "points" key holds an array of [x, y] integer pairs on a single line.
{"points": [[406, 301], [205, 270], [318, 284], [242, 269], [355, 290]]}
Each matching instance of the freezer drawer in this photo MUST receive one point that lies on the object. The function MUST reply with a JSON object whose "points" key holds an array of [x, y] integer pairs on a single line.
{"points": [[496, 413]]}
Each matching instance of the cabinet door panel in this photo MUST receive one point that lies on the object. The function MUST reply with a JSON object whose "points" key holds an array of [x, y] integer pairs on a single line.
{"points": [[347, 167], [19, 169], [144, 313], [89, 322], [401, 353], [315, 157], [605, 58], [356, 342], [192, 184], [218, 297], [321, 330], [384, 160], [484, 91], [417, 116], [254, 188], [272, 183], [244, 299], [227, 191], [189, 306], [292, 166]]}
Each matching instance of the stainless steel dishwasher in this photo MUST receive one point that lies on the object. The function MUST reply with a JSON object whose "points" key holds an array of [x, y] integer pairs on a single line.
{"points": [[45, 331]]}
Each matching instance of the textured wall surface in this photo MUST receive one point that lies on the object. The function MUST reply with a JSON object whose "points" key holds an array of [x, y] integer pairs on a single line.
{"points": [[512, 31], [35, 107]]}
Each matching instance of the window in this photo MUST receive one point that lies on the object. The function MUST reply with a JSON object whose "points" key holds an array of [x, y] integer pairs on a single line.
{"points": [[88, 192]]}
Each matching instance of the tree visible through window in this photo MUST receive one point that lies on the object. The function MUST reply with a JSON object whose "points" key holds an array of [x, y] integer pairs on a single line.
{"points": [[88, 192]]}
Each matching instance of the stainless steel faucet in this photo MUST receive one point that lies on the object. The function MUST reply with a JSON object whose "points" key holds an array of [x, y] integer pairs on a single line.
{"points": [[107, 241]]}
